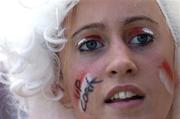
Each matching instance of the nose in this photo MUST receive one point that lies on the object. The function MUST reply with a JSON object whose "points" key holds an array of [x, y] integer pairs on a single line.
{"points": [[121, 63]]}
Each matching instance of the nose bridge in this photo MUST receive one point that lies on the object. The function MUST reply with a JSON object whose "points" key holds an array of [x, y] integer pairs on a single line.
{"points": [[119, 50], [120, 60]]}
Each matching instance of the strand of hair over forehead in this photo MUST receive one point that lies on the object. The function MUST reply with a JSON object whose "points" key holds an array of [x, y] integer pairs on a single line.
{"points": [[33, 70], [53, 36]]}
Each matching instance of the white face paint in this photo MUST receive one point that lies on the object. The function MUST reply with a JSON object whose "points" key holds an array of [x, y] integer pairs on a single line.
{"points": [[167, 82], [146, 30]]}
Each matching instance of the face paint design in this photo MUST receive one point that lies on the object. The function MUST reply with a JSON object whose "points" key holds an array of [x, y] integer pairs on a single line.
{"points": [[78, 85], [166, 77], [168, 70], [139, 30], [77, 89], [84, 89]]}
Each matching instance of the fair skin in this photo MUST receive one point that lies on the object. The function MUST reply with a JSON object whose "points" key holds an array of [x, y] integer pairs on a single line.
{"points": [[104, 45]]}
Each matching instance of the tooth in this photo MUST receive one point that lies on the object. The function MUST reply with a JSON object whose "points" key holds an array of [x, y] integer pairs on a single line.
{"points": [[122, 95], [116, 96], [112, 98], [130, 94]]}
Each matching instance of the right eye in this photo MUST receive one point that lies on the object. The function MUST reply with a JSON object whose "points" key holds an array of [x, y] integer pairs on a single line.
{"points": [[90, 44], [142, 39], [140, 36]]}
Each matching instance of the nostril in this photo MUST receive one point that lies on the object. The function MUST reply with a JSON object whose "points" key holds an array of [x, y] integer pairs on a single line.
{"points": [[129, 71], [113, 72]]}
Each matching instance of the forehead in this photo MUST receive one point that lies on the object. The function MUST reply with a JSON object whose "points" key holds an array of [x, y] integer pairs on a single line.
{"points": [[104, 11], [120, 5]]}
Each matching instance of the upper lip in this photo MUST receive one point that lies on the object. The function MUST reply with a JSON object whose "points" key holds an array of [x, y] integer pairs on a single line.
{"points": [[125, 88]]}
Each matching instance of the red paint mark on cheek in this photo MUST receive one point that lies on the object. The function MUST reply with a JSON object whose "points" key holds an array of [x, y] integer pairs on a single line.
{"points": [[77, 84], [77, 89], [167, 69], [81, 75]]}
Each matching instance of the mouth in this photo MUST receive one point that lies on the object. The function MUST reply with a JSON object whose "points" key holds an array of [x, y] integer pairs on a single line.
{"points": [[125, 95]]}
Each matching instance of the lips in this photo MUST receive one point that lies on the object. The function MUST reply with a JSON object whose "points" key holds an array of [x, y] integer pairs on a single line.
{"points": [[124, 94]]}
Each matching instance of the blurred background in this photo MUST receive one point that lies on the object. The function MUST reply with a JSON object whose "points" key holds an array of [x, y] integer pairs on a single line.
{"points": [[14, 17]]}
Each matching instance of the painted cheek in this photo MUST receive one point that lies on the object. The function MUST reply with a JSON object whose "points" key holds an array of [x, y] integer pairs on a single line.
{"points": [[81, 76], [168, 70], [77, 85], [166, 77], [83, 88], [87, 88], [77, 89]]}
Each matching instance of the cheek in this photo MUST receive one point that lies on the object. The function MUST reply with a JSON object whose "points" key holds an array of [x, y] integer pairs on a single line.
{"points": [[166, 76], [79, 77], [83, 88], [77, 84], [159, 66], [165, 65]]}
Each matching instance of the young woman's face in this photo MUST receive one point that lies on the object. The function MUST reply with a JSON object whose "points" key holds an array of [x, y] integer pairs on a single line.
{"points": [[119, 61]]}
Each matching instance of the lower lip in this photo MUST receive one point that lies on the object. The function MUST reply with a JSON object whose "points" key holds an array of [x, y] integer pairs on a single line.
{"points": [[126, 104]]}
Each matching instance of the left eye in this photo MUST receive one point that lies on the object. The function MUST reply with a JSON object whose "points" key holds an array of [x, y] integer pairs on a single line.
{"points": [[89, 45], [141, 39]]}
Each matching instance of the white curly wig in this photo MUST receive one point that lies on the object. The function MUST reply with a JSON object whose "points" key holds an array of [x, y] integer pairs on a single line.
{"points": [[33, 69]]}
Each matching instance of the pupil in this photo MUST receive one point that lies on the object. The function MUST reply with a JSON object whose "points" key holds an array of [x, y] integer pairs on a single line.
{"points": [[91, 44], [142, 38]]}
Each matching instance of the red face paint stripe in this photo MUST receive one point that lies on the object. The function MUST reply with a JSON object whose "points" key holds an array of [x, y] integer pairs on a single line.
{"points": [[77, 87], [77, 96], [168, 70], [82, 75], [77, 92], [135, 31]]}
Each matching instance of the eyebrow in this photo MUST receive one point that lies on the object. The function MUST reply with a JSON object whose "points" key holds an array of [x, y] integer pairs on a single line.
{"points": [[89, 26], [139, 18], [102, 26]]}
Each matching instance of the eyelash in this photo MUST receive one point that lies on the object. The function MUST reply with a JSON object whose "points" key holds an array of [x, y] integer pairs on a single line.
{"points": [[145, 37], [90, 43], [141, 40]]}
